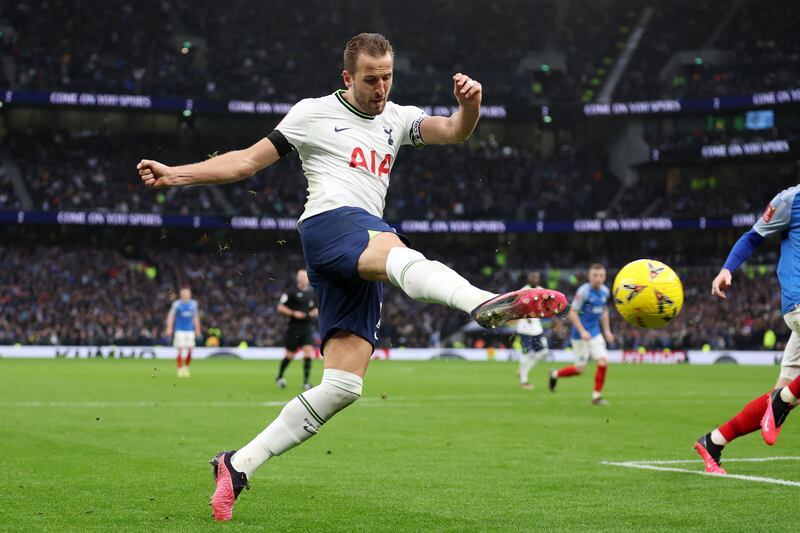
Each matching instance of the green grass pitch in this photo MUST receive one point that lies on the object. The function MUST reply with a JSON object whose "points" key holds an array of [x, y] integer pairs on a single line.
{"points": [[432, 446]]}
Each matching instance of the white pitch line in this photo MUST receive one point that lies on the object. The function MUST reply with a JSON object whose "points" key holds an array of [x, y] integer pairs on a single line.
{"points": [[683, 461], [757, 479]]}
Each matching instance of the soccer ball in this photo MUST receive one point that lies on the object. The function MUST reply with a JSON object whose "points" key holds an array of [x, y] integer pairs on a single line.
{"points": [[648, 293]]}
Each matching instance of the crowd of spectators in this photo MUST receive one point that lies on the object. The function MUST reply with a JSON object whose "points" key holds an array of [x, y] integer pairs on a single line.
{"points": [[181, 48], [90, 170], [697, 191], [186, 48], [100, 295]]}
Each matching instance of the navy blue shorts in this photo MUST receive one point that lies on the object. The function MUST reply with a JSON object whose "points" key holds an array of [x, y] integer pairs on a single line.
{"points": [[533, 343], [332, 243]]}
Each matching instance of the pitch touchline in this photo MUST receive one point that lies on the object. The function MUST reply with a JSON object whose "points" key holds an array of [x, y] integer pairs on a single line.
{"points": [[682, 461], [647, 465]]}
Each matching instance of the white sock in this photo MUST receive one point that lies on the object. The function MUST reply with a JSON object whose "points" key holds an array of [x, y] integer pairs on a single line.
{"points": [[787, 396], [718, 439], [431, 281], [526, 362], [596, 395], [300, 419]]}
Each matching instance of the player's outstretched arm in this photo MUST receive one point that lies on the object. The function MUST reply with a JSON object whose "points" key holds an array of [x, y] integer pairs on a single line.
{"points": [[458, 127], [226, 168]]}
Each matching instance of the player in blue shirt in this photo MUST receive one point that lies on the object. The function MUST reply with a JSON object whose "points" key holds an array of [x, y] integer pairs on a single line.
{"points": [[768, 411], [184, 319], [591, 330]]}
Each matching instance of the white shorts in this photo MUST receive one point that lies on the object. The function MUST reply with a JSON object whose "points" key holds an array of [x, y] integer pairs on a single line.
{"points": [[183, 339], [790, 364], [594, 348]]}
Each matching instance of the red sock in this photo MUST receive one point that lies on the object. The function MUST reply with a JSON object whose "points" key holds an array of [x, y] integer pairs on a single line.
{"points": [[600, 378], [180, 359], [189, 357], [566, 371], [747, 421], [794, 387]]}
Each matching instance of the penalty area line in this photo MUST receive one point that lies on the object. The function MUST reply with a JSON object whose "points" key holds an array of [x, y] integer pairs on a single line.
{"points": [[755, 479]]}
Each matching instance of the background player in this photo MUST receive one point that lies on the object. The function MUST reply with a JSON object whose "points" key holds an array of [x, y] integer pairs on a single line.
{"points": [[184, 319], [534, 343], [299, 306], [591, 330], [348, 142], [768, 411]]}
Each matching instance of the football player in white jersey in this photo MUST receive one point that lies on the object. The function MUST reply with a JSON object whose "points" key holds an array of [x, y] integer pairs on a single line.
{"points": [[348, 142], [534, 343]]}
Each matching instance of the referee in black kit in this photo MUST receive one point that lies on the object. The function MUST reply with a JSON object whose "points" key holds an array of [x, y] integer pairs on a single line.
{"points": [[300, 307]]}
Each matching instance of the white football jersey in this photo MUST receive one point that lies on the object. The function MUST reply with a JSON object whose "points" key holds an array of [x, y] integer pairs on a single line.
{"points": [[348, 155]]}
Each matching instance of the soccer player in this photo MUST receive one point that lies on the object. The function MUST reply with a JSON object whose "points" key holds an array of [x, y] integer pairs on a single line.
{"points": [[767, 411], [299, 306], [591, 330], [348, 142], [534, 343], [184, 319]]}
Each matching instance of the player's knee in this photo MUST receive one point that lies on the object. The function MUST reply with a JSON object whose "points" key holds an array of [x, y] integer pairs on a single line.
{"points": [[342, 388], [602, 362], [397, 260], [580, 369]]}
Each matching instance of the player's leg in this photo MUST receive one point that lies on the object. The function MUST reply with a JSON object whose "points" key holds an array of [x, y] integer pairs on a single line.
{"points": [[288, 355], [785, 396], [346, 359], [386, 258], [177, 342], [308, 352], [754, 415], [599, 351], [349, 315], [534, 349], [189, 343], [526, 362], [746, 421], [581, 349]]}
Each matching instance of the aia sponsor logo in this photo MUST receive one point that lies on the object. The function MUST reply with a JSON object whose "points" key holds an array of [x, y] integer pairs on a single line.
{"points": [[768, 212], [371, 161]]}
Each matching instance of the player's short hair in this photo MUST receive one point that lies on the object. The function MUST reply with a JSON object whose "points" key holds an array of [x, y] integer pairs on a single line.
{"points": [[372, 44], [597, 266]]}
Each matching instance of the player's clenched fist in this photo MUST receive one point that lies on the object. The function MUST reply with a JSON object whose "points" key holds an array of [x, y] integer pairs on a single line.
{"points": [[468, 91], [154, 174]]}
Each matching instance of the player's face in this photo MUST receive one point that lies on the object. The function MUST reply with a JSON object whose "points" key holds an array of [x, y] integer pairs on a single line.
{"points": [[371, 82], [597, 276], [186, 294], [302, 279], [534, 278]]}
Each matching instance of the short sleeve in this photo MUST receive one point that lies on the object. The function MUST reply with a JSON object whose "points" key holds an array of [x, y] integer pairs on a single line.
{"points": [[581, 295], [284, 298], [174, 307], [412, 119], [777, 216], [296, 125]]}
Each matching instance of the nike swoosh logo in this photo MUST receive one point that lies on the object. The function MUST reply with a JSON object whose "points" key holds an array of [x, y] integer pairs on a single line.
{"points": [[337, 130]]}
